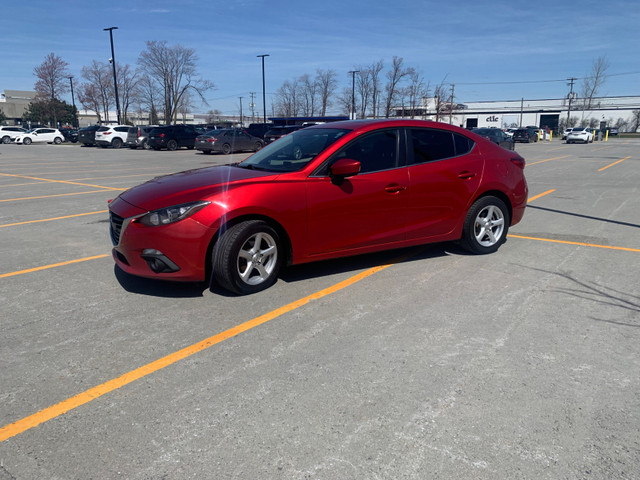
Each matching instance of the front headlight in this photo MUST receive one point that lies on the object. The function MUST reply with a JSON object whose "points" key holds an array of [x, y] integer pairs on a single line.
{"points": [[165, 216]]}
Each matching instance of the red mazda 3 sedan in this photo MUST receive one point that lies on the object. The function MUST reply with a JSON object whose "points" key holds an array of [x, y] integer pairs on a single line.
{"points": [[326, 191]]}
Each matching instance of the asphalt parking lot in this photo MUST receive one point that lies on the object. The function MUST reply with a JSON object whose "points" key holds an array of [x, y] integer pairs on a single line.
{"points": [[425, 363]]}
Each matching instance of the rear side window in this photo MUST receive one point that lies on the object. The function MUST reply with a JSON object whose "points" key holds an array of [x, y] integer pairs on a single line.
{"points": [[103, 129], [430, 144]]}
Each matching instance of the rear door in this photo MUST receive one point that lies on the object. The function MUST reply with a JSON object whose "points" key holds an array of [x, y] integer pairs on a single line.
{"points": [[445, 171]]}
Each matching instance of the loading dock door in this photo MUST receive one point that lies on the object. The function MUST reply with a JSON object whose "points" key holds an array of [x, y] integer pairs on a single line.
{"points": [[472, 123]]}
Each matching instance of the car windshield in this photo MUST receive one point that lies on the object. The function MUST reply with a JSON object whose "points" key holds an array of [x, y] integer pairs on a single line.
{"points": [[294, 151]]}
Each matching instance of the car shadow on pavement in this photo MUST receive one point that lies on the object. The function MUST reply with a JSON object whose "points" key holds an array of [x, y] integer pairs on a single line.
{"points": [[362, 262], [159, 288]]}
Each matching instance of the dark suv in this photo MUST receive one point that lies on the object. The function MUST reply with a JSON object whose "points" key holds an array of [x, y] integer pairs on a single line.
{"points": [[87, 135], [526, 135], [139, 137], [172, 137]]}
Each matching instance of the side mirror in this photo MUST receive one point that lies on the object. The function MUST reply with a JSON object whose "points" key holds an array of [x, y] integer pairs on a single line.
{"points": [[345, 167]]}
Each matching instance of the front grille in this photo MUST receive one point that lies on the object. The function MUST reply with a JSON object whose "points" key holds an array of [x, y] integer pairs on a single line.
{"points": [[115, 227]]}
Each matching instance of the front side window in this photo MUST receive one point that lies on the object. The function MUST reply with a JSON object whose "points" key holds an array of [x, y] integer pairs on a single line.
{"points": [[375, 151]]}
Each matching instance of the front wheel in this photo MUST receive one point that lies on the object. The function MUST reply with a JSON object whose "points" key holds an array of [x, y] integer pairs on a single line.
{"points": [[57, 140], [27, 141], [257, 146], [485, 226], [247, 257], [172, 145]]}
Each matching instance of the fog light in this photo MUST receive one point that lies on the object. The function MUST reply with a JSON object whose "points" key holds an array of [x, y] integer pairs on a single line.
{"points": [[158, 261]]}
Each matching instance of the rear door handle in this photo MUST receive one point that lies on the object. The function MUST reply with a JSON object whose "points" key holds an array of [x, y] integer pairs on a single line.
{"points": [[466, 175]]}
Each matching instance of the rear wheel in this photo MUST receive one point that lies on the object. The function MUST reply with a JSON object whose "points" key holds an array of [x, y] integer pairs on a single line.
{"points": [[116, 143], [485, 226], [172, 145], [247, 257], [226, 149], [6, 139], [57, 140], [257, 146]]}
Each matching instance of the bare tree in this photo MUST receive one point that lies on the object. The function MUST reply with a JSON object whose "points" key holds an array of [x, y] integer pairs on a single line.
{"points": [[394, 76], [147, 96], [98, 93], [635, 121], [287, 99], [327, 84], [344, 101], [441, 96], [308, 95], [374, 72], [89, 98], [53, 77], [364, 88], [127, 88], [592, 83], [416, 91], [173, 69]]}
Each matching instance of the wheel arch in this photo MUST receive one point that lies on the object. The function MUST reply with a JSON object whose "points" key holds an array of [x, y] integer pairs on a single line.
{"points": [[498, 194], [284, 237]]}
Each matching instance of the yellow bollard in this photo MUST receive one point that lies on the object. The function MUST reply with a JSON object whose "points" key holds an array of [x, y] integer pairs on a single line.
{"points": [[551, 135], [606, 136]]}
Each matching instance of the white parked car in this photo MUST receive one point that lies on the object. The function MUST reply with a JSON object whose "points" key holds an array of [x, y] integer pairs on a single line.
{"points": [[41, 135], [8, 133], [114, 136], [580, 134]]}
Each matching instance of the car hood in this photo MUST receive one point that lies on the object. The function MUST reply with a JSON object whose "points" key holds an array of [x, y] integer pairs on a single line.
{"points": [[191, 185]]}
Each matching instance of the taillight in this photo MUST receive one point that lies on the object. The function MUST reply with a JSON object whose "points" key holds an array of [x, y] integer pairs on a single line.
{"points": [[161, 135], [518, 161], [106, 133]]}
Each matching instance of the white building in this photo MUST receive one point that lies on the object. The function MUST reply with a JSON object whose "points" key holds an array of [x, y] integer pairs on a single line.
{"points": [[621, 112]]}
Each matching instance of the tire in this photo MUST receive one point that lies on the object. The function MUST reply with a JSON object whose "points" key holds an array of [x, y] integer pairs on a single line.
{"points": [[57, 140], [145, 145], [27, 141], [485, 226], [257, 146], [116, 143], [172, 145], [247, 257], [6, 139], [226, 149]]}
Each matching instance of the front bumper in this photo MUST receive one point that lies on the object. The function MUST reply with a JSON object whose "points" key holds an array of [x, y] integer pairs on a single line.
{"points": [[177, 251]]}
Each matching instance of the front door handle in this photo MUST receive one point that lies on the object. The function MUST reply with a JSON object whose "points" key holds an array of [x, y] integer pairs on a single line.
{"points": [[394, 188]]}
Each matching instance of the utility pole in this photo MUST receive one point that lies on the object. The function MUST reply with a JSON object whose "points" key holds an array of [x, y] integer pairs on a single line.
{"points": [[113, 63], [571, 80], [451, 103], [253, 113], [241, 120], [353, 93], [264, 101], [73, 102]]}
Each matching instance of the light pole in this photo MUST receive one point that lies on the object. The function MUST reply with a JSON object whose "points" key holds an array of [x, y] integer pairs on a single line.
{"points": [[73, 102], [113, 63], [264, 101], [353, 93]]}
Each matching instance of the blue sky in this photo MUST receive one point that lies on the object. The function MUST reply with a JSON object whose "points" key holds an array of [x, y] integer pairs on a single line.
{"points": [[473, 44]]}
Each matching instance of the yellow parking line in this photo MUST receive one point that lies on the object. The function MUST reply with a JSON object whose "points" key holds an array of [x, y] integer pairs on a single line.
{"points": [[64, 406], [59, 181], [575, 243], [51, 196], [52, 219], [53, 265], [547, 160], [615, 163], [540, 195]]}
